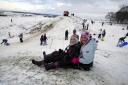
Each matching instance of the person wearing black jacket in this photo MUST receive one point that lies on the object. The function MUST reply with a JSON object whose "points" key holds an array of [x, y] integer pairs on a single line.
{"points": [[61, 59]]}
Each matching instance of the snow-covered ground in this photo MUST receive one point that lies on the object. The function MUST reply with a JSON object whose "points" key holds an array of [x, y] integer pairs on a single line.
{"points": [[110, 64]]}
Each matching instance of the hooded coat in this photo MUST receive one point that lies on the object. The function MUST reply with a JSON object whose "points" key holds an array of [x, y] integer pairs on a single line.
{"points": [[87, 52]]}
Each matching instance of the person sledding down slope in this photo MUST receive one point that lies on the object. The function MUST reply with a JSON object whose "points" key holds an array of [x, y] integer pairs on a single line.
{"points": [[61, 59], [87, 51]]}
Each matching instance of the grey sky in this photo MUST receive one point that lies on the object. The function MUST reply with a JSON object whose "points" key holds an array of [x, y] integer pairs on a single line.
{"points": [[93, 8]]}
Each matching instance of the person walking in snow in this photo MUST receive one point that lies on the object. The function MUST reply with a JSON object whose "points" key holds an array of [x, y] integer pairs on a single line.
{"points": [[87, 26], [100, 34], [66, 35], [11, 20], [21, 37], [41, 39], [103, 34], [102, 23], [62, 59], [45, 39], [74, 34], [83, 25], [92, 21]]}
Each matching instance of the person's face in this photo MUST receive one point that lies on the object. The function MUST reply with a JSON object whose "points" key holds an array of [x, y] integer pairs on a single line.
{"points": [[83, 39], [74, 32], [72, 41]]}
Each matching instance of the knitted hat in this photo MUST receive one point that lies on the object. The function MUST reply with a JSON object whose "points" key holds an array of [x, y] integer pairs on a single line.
{"points": [[73, 40], [86, 34]]}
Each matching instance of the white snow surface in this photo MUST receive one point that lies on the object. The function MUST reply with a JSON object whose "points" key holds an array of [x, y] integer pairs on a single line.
{"points": [[110, 63]]}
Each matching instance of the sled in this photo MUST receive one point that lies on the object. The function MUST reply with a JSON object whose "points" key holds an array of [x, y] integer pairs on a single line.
{"points": [[123, 44]]}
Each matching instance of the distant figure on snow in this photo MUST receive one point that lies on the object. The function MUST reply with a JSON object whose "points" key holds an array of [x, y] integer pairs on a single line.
{"points": [[92, 21], [9, 34], [121, 40], [87, 26], [11, 20], [83, 24], [66, 35], [103, 33], [102, 23], [5, 41], [21, 37], [99, 35], [43, 39]]}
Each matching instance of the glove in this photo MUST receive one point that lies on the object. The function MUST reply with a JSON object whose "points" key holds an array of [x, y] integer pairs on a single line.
{"points": [[75, 60]]}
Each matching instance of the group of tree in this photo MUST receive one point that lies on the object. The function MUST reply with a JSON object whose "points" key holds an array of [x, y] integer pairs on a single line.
{"points": [[2, 14], [121, 16]]}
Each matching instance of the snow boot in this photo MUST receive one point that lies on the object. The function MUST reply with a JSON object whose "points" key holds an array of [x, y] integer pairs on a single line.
{"points": [[38, 63]]}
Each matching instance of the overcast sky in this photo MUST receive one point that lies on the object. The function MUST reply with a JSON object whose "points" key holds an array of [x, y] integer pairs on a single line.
{"points": [[94, 8]]}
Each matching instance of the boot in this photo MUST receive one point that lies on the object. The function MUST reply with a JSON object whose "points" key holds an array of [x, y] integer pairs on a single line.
{"points": [[50, 66], [38, 63]]}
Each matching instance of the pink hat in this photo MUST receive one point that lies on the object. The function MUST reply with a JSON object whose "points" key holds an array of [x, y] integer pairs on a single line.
{"points": [[86, 34]]}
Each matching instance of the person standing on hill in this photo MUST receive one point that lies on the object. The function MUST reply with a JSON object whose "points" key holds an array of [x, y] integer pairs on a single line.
{"points": [[103, 34], [102, 23], [21, 37], [41, 39], [45, 39], [99, 35], [11, 20], [66, 35]]}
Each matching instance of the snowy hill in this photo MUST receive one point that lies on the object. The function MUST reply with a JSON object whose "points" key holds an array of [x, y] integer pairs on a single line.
{"points": [[110, 64]]}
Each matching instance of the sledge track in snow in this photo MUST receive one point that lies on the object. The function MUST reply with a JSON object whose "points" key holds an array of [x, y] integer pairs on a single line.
{"points": [[34, 75]]}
